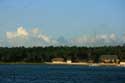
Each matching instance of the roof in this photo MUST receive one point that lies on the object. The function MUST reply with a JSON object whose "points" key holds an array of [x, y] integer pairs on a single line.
{"points": [[122, 60], [108, 57], [58, 59]]}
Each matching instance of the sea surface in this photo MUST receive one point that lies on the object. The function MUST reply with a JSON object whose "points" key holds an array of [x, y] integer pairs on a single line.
{"points": [[41, 73]]}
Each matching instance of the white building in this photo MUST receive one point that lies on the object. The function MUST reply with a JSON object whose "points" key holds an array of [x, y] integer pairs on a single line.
{"points": [[69, 61], [58, 60], [122, 63]]}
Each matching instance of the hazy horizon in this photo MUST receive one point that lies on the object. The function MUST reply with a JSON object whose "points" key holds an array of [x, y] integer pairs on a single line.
{"points": [[62, 22]]}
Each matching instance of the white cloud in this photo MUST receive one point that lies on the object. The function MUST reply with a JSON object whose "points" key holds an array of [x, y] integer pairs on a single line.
{"points": [[34, 37], [99, 40], [44, 37], [11, 35], [113, 36], [35, 31], [21, 32]]}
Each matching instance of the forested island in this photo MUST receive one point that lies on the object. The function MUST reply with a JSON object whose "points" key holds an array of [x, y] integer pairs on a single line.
{"points": [[46, 54]]}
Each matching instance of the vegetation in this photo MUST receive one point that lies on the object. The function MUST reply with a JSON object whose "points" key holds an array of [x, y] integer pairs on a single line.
{"points": [[45, 54]]}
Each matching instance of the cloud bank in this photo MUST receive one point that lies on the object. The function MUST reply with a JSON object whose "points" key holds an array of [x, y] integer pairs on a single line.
{"points": [[22, 37], [35, 37], [21, 32]]}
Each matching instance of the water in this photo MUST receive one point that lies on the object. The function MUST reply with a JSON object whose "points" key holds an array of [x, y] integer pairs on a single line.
{"points": [[60, 74]]}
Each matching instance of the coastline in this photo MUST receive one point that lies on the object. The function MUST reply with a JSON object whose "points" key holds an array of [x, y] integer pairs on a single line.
{"points": [[50, 63], [19, 63], [88, 64]]}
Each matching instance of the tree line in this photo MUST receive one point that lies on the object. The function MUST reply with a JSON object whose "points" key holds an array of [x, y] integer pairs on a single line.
{"points": [[46, 54]]}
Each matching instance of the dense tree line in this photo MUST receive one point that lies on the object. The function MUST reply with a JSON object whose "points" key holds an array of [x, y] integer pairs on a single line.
{"points": [[45, 54]]}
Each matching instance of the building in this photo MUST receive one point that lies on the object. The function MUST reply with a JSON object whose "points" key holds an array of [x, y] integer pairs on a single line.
{"points": [[68, 61], [122, 62], [109, 59], [58, 60], [90, 61]]}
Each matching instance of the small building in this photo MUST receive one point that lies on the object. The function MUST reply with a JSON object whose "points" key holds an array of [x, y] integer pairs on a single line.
{"points": [[109, 59], [90, 61], [68, 61], [122, 62], [58, 60]]}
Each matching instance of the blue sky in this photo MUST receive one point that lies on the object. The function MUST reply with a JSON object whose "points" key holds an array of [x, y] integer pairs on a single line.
{"points": [[67, 18]]}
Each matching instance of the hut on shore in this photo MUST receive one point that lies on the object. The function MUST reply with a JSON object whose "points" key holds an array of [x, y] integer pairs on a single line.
{"points": [[58, 60], [122, 62], [109, 59], [68, 61]]}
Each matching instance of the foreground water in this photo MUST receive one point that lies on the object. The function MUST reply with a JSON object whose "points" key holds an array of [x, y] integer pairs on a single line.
{"points": [[60, 74]]}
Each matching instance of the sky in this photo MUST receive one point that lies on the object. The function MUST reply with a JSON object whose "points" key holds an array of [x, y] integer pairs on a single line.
{"points": [[62, 22]]}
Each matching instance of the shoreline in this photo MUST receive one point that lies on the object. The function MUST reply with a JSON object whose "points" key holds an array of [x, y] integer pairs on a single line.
{"points": [[50, 63], [88, 64]]}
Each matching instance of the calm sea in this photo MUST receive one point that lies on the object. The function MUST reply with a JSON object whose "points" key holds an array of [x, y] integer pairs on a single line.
{"points": [[60, 74]]}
